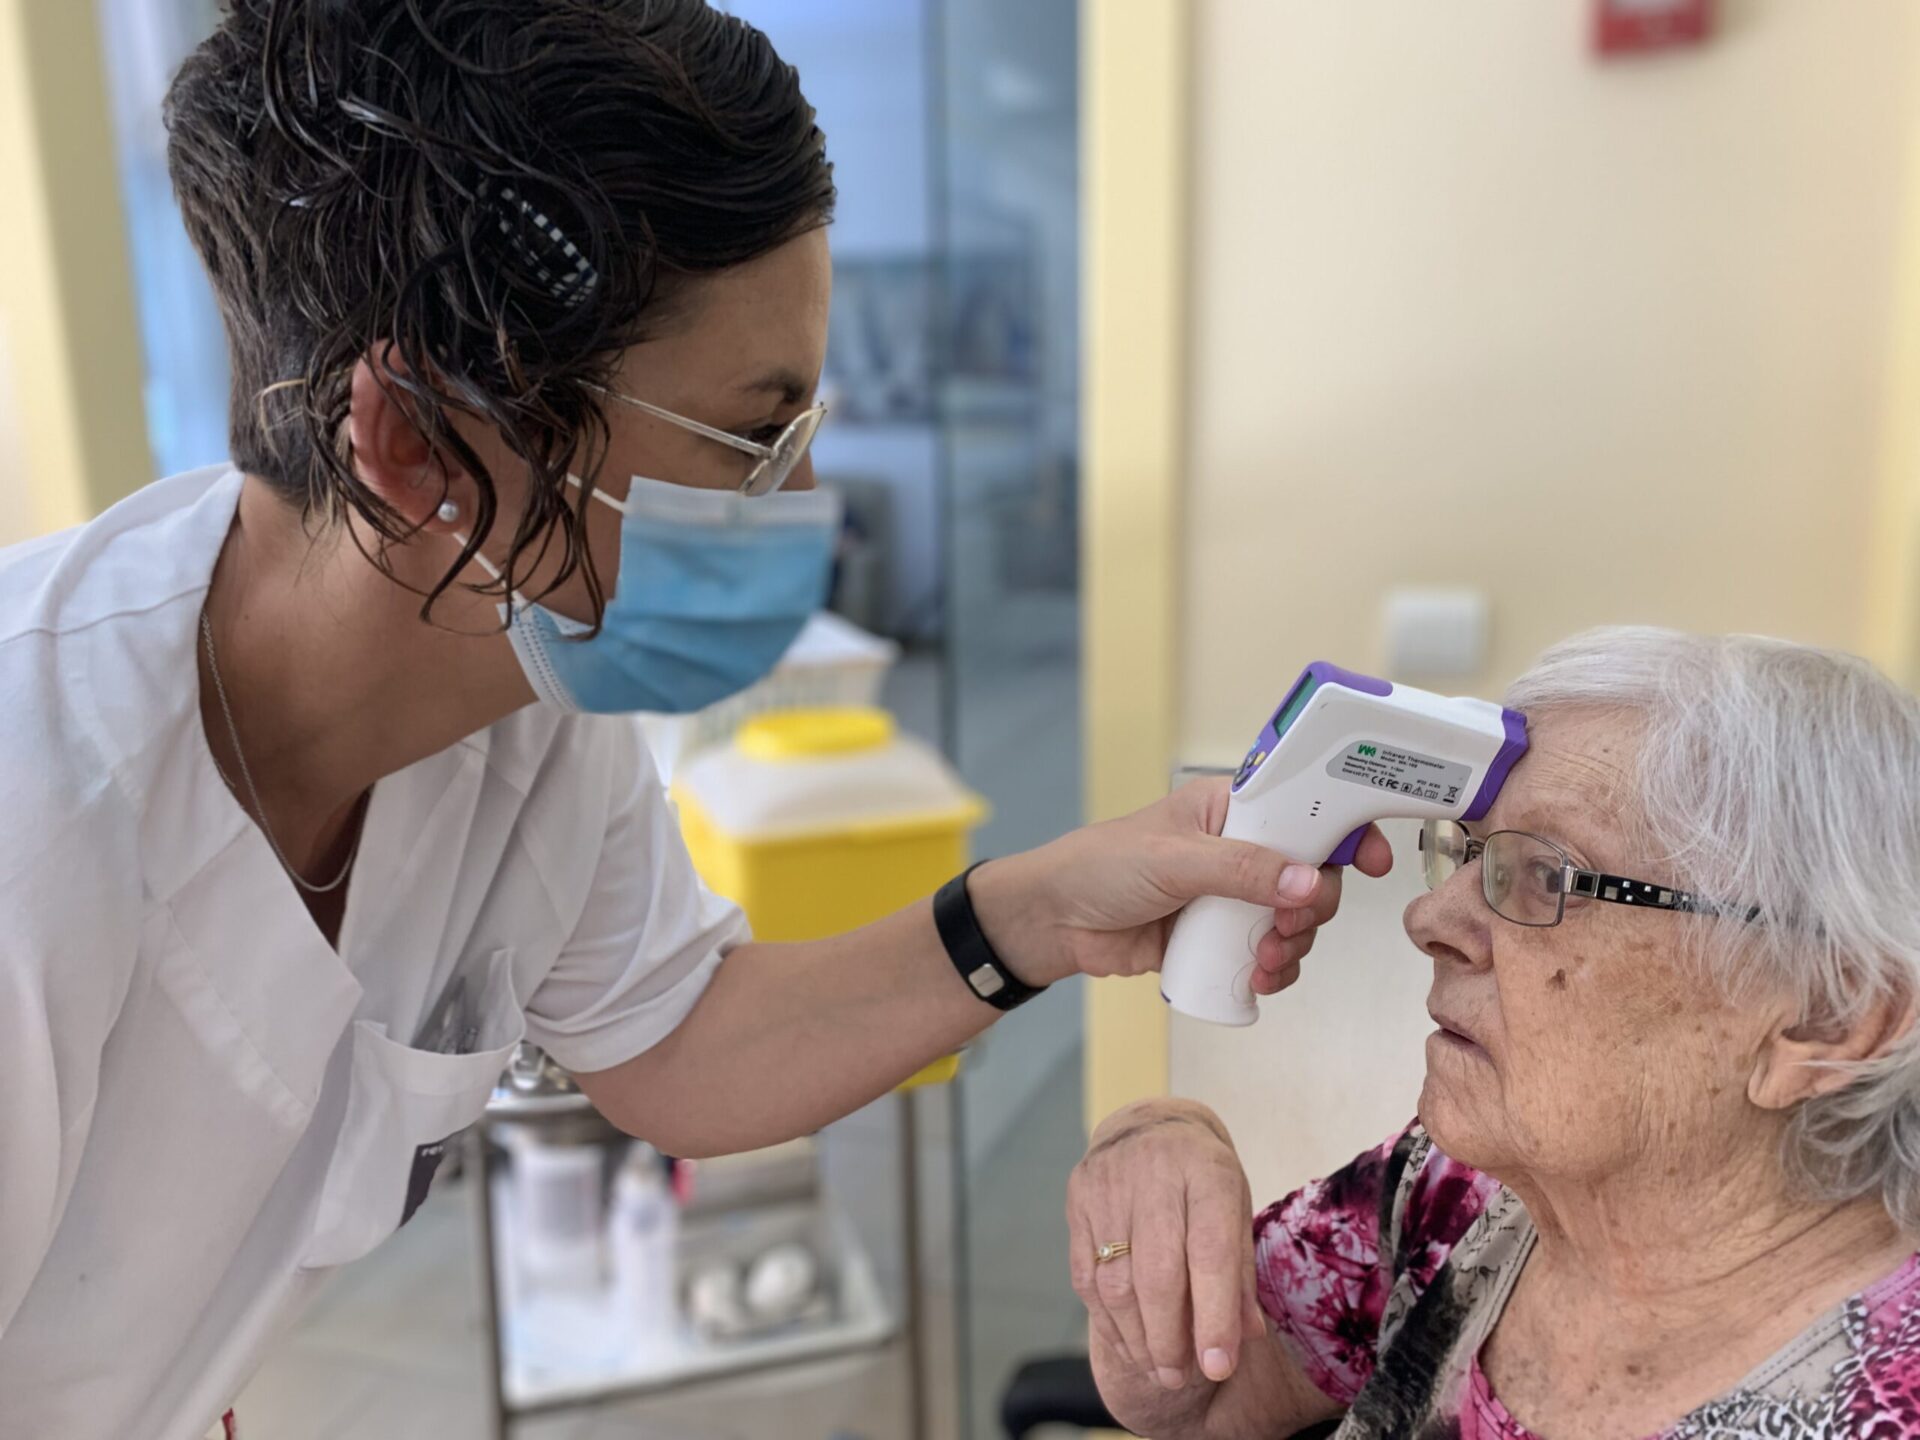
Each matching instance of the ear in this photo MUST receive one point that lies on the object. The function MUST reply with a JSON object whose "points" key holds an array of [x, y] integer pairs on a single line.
{"points": [[1797, 1062], [394, 460]]}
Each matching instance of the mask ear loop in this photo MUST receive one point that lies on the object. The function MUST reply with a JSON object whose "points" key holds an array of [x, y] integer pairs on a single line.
{"points": [[515, 601], [526, 640], [598, 494], [517, 604]]}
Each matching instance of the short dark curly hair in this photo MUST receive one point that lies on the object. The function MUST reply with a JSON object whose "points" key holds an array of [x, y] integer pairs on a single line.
{"points": [[490, 200]]}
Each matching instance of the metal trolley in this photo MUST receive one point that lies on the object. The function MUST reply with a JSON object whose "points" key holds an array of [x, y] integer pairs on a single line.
{"points": [[779, 1201]]}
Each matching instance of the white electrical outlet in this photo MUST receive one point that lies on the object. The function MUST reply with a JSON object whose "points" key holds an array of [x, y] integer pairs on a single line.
{"points": [[1436, 633]]}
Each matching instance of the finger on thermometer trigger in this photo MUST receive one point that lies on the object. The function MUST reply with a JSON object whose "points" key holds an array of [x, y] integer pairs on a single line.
{"points": [[1272, 982], [1375, 856]]}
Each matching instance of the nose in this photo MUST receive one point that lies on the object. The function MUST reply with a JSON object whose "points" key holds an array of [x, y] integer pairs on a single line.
{"points": [[1451, 922], [802, 477]]}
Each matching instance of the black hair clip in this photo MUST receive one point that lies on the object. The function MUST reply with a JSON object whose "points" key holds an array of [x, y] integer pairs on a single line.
{"points": [[537, 242]]}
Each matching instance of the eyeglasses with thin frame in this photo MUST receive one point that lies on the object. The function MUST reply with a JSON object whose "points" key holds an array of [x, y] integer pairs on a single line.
{"points": [[775, 463], [1527, 879]]}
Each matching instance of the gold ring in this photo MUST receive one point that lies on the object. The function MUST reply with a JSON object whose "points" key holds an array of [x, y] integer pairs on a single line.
{"points": [[1112, 1250]]}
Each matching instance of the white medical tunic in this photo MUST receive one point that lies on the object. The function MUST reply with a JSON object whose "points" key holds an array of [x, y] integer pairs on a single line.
{"points": [[204, 1107]]}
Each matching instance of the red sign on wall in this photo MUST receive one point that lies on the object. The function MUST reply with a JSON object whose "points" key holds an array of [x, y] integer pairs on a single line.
{"points": [[1631, 27]]}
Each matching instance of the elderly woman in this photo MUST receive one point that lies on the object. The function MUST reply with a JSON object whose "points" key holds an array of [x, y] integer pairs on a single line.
{"points": [[1666, 1173]]}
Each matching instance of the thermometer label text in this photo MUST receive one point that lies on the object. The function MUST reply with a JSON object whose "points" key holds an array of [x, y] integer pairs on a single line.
{"points": [[1405, 772]]}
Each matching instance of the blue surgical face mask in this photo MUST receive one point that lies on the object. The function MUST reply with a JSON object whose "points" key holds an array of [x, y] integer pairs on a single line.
{"points": [[712, 589]]}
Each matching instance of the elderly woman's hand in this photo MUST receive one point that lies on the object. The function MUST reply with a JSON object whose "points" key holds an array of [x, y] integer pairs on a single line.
{"points": [[1163, 1177]]}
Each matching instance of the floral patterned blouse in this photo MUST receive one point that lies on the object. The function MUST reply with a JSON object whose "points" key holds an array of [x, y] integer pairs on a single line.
{"points": [[1387, 1277]]}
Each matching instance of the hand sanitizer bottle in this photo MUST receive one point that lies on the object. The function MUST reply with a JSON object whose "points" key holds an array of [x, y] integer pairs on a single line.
{"points": [[645, 1232]]}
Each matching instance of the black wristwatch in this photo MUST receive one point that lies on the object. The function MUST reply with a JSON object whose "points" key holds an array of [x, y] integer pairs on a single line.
{"points": [[967, 946]]}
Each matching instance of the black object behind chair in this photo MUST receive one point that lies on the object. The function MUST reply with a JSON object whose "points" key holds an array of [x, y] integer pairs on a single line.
{"points": [[1053, 1390], [1059, 1390]]}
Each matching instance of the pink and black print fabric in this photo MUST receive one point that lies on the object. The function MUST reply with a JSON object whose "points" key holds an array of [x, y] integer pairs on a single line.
{"points": [[1386, 1277]]}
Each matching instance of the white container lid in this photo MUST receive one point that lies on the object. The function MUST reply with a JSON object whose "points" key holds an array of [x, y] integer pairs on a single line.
{"points": [[830, 639], [831, 662], [794, 773]]}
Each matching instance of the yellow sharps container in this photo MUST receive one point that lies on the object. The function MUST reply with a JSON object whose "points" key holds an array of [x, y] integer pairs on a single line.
{"points": [[816, 822]]}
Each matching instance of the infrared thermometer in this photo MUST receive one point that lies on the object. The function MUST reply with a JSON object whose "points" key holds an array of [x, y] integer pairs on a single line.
{"points": [[1342, 751]]}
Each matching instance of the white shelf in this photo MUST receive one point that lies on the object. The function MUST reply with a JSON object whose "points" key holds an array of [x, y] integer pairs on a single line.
{"points": [[564, 1348]]}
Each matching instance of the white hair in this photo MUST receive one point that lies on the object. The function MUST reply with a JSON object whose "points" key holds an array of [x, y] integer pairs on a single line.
{"points": [[1787, 778]]}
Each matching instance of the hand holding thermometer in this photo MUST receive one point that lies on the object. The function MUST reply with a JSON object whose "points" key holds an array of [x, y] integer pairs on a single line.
{"points": [[1341, 752]]}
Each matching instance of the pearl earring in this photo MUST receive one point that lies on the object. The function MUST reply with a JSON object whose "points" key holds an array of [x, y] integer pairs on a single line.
{"points": [[448, 512]]}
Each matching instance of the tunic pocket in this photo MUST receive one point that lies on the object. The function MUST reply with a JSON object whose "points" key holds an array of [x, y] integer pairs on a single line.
{"points": [[403, 1106]]}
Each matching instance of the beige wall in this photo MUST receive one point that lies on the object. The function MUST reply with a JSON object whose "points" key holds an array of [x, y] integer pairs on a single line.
{"points": [[72, 422], [1605, 340], [1135, 110], [1895, 561], [1610, 342], [19, 514]]}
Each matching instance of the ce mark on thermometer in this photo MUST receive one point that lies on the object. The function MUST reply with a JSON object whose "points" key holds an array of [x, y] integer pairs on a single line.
{"points": [[1414, 790]]}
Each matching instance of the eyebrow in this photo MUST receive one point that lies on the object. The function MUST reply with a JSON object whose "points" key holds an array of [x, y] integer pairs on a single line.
{"points": [[1552, 825], [791, 387]]}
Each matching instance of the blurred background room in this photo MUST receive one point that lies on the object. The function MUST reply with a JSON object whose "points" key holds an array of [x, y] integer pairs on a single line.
{"points": [[1175, 344]]}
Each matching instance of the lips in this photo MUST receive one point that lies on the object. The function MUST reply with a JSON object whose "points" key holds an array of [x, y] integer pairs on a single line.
{"points": [[1451, 1025]]}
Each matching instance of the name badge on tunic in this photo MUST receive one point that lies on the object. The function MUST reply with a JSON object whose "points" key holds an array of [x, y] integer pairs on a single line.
{"points": [[452, 1028]]}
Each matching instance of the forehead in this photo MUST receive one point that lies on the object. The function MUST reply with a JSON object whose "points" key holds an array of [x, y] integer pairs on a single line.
{"points": [[758, 320], [1576, 779]]}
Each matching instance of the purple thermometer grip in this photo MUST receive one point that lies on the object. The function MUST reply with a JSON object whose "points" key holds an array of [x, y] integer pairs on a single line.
{"points": [[1511, 749], [1349, 848], [1328, 673]]}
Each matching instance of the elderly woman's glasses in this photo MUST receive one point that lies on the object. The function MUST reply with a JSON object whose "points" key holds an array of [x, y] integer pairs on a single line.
{"points": [[774, 463], [1527, 879]]}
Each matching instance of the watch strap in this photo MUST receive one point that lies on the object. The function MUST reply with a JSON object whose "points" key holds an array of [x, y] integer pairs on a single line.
{"points": [[971, 953]]}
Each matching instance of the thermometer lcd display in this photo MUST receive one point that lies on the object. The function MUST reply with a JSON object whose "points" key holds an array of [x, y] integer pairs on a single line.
{"points": [[1290, 711]]}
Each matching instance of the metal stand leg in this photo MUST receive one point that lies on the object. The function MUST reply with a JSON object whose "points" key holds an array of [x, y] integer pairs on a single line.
{"points": [[914, 1301], [482, 1181]]}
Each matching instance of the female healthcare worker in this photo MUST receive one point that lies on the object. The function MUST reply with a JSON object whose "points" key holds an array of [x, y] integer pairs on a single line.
{"points": [[315, 796]]}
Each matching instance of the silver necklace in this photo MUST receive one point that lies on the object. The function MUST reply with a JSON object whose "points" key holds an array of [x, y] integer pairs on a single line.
{"points": [[259, 810]]}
